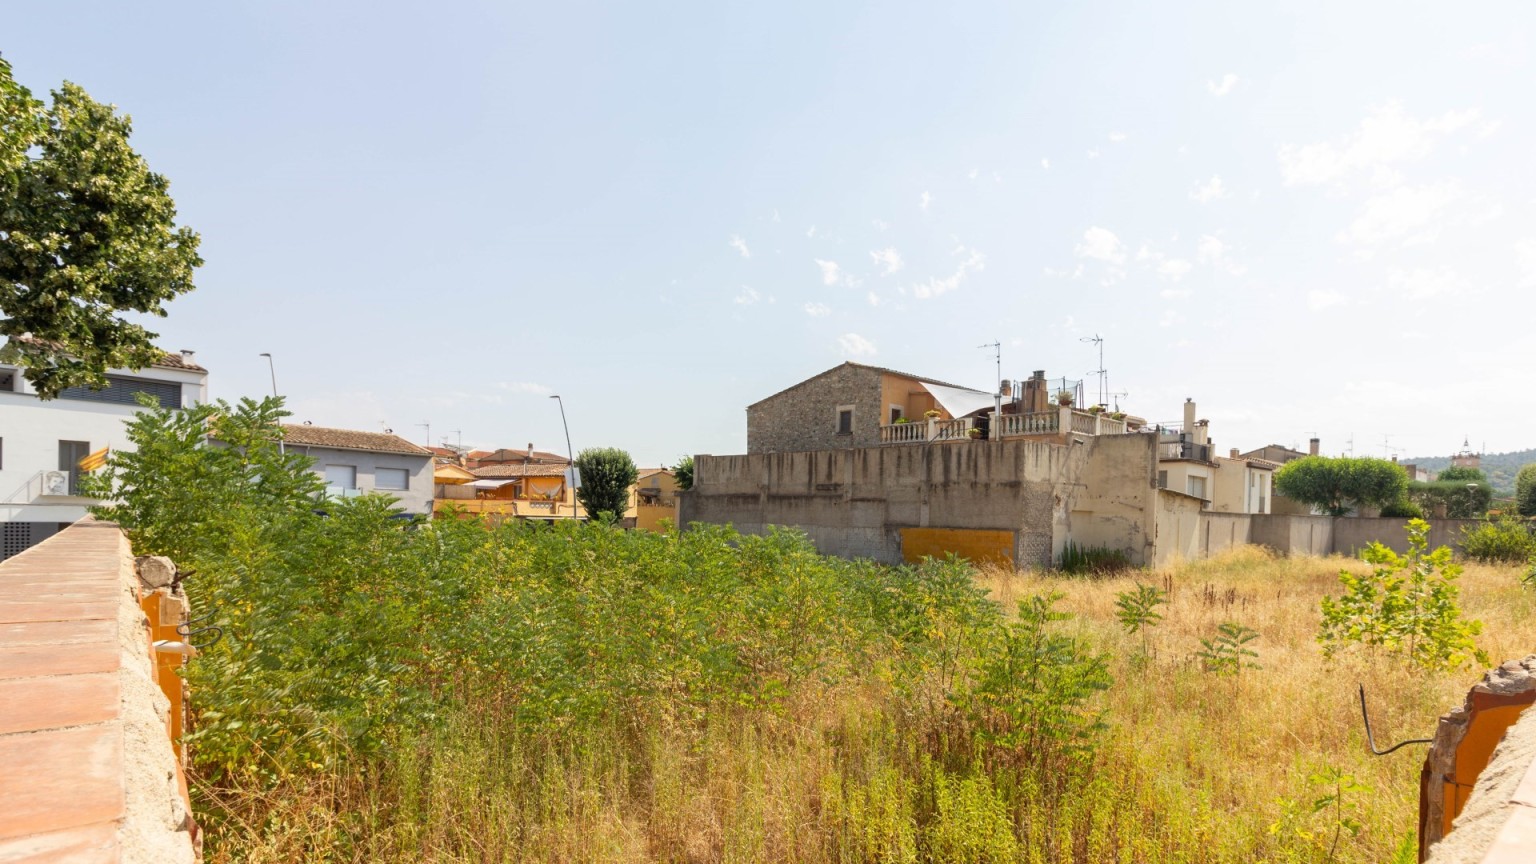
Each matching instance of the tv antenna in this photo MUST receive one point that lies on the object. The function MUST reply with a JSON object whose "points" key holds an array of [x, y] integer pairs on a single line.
{"points": [[1116, 396], [427, 426], [997, 390], [1103, 373], [460, 433]]}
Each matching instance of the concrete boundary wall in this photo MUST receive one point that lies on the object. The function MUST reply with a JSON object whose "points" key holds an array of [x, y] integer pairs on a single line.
{"points": [[89, 772]]}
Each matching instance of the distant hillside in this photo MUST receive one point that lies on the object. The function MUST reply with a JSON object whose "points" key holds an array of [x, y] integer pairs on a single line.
{"points": [[1501, 468]]}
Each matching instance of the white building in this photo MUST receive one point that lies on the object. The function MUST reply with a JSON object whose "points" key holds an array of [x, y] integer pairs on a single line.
{"points": [[43, 441], [354, 462]]}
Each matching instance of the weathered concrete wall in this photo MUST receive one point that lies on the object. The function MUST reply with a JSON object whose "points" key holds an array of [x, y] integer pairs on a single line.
{"points": [[1293, 535], [1178, 524], [1353, 533], [804, 417], [853, 503]]}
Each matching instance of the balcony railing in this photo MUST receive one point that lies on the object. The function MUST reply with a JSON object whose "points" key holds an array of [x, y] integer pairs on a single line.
{"points": [[920, 431], [1039, 423], [1177, 449]]}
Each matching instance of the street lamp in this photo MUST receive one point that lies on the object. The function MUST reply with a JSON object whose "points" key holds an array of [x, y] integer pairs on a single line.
{"points": [[281, 450], [569, 453]]}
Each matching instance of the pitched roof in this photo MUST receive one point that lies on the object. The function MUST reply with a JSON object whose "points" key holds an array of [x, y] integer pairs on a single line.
{"points": [[534, 469], [867, 366], [168, 359], [506, 454], [350, 439], [646, 472], [1252, 462]]}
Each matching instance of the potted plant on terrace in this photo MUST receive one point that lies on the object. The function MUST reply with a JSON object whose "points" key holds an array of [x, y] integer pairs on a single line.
{"points": [[973, 433], [1096, 409], [1064, 398], [932, 414]]}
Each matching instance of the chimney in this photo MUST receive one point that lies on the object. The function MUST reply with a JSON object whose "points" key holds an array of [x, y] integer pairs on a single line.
{"points": [[1394, 458], [1189, 416], [1313, 446], [1005, 387], [187, 355], [1234, 452]]}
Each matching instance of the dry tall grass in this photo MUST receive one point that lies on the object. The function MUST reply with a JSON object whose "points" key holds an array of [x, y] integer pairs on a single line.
{"points": [[1194, 768]]}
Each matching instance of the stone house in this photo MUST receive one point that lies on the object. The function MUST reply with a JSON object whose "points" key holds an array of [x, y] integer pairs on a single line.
{"points": [[846, 406]]}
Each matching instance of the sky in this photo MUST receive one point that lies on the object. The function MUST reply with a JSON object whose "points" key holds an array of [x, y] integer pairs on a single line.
{"points": [[1315, 219]]}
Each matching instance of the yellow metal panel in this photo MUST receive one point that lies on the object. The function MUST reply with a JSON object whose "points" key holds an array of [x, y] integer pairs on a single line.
{"points": [[973, 544]]}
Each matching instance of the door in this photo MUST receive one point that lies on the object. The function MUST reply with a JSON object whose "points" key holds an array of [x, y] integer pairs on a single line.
{"points": [[70, 454]]}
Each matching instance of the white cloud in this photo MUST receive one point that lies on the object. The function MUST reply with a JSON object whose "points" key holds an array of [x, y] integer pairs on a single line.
{"points": [[1210, 249], [1320, 300], [888, 259], [1175, 293], [523, 387], [926, 199], [811, 232], [880, 224], [855, 345], [831, 274], [973, 173], [1046, 164], [1525, 259], [1101, 244], [1174, 269], [1386, 137], [747, 297], [874, 299], [1407, 214], [1209, 191], [934, 287], [1223, 87], [818, 310], [740, 245], [1093, 154], [1117, 137], [1423, 283]]}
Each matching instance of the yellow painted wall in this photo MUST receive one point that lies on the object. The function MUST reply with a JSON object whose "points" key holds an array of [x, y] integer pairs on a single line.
{"points": [[975, 545], [908, 393]]}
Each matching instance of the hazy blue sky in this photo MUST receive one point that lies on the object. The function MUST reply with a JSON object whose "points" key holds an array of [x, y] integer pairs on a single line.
{"points": [[1316, 220]]}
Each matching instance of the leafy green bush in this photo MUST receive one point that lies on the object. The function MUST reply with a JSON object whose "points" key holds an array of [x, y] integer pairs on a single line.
{"points": [[1338, 486], [1137, 610], [1403, 508], [1462, 499], [1227, 653], [1092, 560], [1505, 540], [1407, 604], [1034, 687], [1461, 474], [683, 473]]}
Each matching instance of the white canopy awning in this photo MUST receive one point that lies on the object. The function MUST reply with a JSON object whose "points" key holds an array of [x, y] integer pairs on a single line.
{"points": [[489, 484], [958, 401]]}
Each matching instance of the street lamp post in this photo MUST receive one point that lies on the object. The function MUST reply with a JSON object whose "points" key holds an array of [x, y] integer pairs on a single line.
{"points": [[569, 453], [273, 370]]}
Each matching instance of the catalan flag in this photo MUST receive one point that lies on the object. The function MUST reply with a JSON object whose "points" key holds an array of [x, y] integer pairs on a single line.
{"points": [[95, 460]]}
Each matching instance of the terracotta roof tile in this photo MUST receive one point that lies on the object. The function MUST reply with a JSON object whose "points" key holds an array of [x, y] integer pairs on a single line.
{"points": [[535, 469], [350, 439], [883, 369]]}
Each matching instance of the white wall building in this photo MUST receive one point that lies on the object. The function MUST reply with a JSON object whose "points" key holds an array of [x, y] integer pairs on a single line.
{"points": [[43, 441], [354, 462]]}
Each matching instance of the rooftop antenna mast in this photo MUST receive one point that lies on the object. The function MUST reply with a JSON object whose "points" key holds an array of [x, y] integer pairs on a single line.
{"points": [[427, 426], [1101, 371], [460, 433], [997, 353]]}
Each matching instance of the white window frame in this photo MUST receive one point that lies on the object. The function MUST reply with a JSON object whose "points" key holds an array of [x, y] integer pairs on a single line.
{"points": [[330, 482]]}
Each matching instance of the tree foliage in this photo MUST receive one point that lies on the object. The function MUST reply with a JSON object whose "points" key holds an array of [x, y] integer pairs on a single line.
{"points": [[1462, 474], [606, 475], [1340, 485], [1463, 499], [1525, 490], [1406, 605], [683, 473], [87, 233]]}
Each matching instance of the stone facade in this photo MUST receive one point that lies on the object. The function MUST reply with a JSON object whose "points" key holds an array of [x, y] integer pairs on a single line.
{"points": [[804, 417]]}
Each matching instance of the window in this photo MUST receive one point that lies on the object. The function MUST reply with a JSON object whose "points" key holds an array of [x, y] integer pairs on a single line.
{"points": [[122, 390], [1196, 486], [391, 478], [8, 379], [70, 454], [344, 476], [1162, 479], [896, 413], [845, 419]]}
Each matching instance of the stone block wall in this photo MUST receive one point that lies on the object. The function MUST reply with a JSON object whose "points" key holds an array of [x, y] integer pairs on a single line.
{"points": [[804, 417]]}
